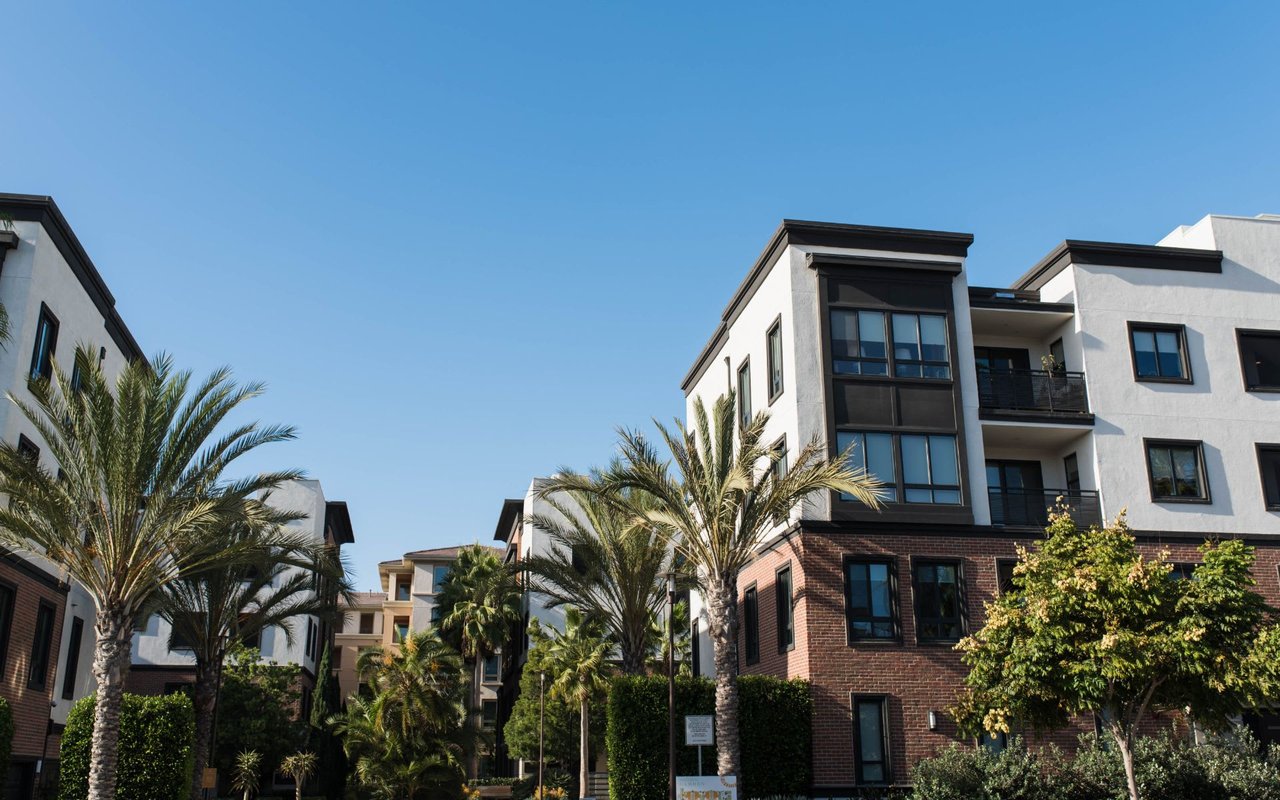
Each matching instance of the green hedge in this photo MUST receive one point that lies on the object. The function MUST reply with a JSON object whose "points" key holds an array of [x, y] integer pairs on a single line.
{"points": [[775, 731], [6, 741], [157, 735]]}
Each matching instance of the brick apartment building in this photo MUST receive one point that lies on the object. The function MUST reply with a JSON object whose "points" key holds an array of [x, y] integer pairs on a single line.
{"points": [[1116, 376]]}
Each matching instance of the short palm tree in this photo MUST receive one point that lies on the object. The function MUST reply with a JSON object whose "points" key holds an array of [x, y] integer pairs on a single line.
{"points": [[248, 771], [418, 684], [140, 492], [211, 609], [579, 666], [479, 602], [609, 561], [722, 501], [300, 767]]}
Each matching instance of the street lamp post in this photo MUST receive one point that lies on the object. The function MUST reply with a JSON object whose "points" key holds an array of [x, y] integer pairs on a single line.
{"points": [[671, 685], [542, 716]]}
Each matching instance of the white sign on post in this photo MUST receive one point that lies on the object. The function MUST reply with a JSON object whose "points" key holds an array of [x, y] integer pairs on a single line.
{"points": [[699, 730], [712, 787]]}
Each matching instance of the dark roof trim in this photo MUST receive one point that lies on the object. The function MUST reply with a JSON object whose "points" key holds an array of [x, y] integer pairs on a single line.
{"points": [[1112, 254], [815, 260], [32, 571], [42, 209], [825, 234], [337, 515], [511, 510]]}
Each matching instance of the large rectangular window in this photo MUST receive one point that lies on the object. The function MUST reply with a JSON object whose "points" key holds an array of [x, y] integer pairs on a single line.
{"points": [[930, 473], [8, 596], [872, 452], [1176, 471], [870, 610], [1260, 360], [774, 344], [920, 346], [939, 601], [1269, 466], [1159, 352], [784, 595], [45, 346], [751, 623], [41, 646], [73, 659], [744, 394], [860, 344], [870, 741]]}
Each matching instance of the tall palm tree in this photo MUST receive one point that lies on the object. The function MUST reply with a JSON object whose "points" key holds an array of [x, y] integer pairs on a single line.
{"points": [[720, 503], [140, 492], [579, 665], [609, 561], [212, 608], [479, 602]]}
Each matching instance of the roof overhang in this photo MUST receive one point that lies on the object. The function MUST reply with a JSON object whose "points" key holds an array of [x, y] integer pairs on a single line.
{"points": [[1115, 254], [511, 511]]}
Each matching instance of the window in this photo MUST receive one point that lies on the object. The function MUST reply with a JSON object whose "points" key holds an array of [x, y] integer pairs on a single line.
{"points": [[77, 377], [744, 394], [1004, 575], [1071, 466], [439, 574], [870, 741], [859, 344], [774, 343], [939, 606], [435, 615], [1182, 570], [41, 645], [178, 687], [364, 690], [751, 622], [872, 452], [366, 622], [1058, 356], [489, 713], [870, 611], [8, 595], [995, 744], [696, 654], [1269, 466], [1260, 360], [784, 596], [401, 630], [252, 640], [73, 659], [27, 449], [307, 693], [491, 664], [1159, 353], [311, 639], [920, 346], [404, 584], [1176, 471], [337, 657], [46, 344], [929, 470], [779, 465]]}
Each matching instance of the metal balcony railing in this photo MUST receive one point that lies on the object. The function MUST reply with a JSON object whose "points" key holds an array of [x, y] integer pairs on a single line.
{"points": [[1030, 507], [1033, 390]]}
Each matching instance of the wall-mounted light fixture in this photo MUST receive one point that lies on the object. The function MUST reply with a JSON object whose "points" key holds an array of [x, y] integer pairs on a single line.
{"points": [[933, 720]]}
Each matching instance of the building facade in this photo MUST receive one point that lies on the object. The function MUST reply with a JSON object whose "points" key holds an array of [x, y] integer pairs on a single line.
{"points": [[1113, 376]]}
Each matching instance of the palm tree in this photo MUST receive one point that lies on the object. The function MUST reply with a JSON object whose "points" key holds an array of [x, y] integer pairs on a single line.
{"points": [[579, 664], [247, 771], [394, 766], [300, 767], [609, 561], [723, 500], [140, 492], [479, 602], [211, 609]]}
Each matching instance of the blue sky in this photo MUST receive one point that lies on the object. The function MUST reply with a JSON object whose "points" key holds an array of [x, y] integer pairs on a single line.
{"points": [[464, 241]]}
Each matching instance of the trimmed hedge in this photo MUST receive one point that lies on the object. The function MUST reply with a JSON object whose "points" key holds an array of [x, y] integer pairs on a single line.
{"points": [[6, 741], [157, 735], [775, 731]]}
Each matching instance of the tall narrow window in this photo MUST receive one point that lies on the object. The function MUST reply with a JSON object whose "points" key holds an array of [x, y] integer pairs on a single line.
{"points": [[489, 713], [1057, 356], [38, 674], [751, 621], [920, 346], [785, 597], [779, 465], [1004, 575], [775, 360], [45, 346], [401, 631], [1159, 353], [695, 655], [7, 598], [930, 473], [366, 622], [404, 584], [858, 344], [869, 600], [491, 667], [744, 394], [1071, 465], [939, 606], [73, 659], [439, 574], [28, 449], [1260, 360], [871, 741], [1176, 471], [872, 452], [1269, 466]]}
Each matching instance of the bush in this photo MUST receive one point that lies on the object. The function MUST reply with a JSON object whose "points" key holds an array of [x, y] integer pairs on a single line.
{"points": [[156, 758], [6, 739], [775, 729]]}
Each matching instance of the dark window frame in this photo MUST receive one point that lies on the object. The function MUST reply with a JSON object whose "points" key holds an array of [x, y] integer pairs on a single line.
{"points": [[1260, 449], [891, 361], [787, 605], [751, 623], [1001, 562], [488, 720], [491, 677], [1184, 353], [6, 625], [695, 651], [407, 582], [895, 614], [41, 680], [369, 615], [744, 398], [70, 672], [779, 466], [42, 359], [771, 367], [900, 486], [28, 448], [886, 753], [961, 619], [1202, 472], [396, 636], [1241, 333]]}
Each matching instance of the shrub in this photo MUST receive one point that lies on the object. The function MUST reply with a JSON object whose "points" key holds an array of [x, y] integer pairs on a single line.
{"points": [[6, 739], [156, 758]]}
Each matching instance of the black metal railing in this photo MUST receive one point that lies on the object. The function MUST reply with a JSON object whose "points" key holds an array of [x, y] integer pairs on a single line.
{"points": [[1030, 507], [1033, 390]]}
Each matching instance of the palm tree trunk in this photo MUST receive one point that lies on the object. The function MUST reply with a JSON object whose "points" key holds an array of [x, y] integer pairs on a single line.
{"points": [[584, 768], [205, 699], [634, 651], [722, 622], [112, 649]]}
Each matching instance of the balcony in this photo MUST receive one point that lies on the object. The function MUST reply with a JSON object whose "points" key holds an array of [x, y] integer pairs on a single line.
{"points": [[1029, 508], [1035, 391]]}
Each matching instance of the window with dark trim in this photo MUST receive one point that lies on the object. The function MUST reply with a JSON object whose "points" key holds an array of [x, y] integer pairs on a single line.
{"points": [[744, 394], [439, 574], [491, 668], [779, 465], [489, 713], [178, 687], [1057, 356], [918, 468], [1071, 467], [45, 346], [785, 597], [1269, 467], [695, 650], [28, 449], [870, 588], [366, 622], [920, 346], [1260, 359], [939, 601], [1182, 570], [871, 740], [404, 588], [311, 639], [751, 623], [1176, 471], [873, 453], [860, 344], [8, 596], [41, 646], [1159, 352], [773, 342], [401, 630], [252, 640], [1004, 575], [73, 659]]}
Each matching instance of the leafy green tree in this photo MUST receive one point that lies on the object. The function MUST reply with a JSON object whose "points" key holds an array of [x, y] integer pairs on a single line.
{"points": [[721, 501], [140, 491], [1094, 627], [332, 772], [247, 774], [256, 710], [578, 663], [558, 716], [300, 767]]}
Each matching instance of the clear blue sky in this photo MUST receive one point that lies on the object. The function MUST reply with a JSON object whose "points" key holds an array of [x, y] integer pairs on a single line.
{"points": [[463, 242]]}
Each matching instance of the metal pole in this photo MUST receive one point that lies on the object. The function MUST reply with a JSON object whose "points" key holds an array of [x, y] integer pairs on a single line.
{"points": [[671, 686], [542, 716]]}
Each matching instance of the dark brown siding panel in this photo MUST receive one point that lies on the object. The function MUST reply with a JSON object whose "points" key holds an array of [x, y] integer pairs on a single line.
{"points": [[864, 404], [928, 407]]}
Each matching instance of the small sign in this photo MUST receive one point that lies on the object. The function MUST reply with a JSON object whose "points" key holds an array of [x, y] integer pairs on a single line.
{"points": [[712, 787], [699, 730], [210, 778]]}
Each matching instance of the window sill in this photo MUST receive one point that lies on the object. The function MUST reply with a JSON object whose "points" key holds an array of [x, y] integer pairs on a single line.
{"points": [[1157, 379], [1262, 389], [948, 643], [1200, 501], [895, 642]]}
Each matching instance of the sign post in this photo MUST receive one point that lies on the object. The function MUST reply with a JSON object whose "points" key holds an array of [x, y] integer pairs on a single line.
{"points": [[699, 730]]}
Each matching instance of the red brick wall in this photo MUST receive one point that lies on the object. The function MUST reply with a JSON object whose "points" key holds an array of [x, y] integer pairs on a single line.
{"points": [[916, 678], [30, 706]]}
